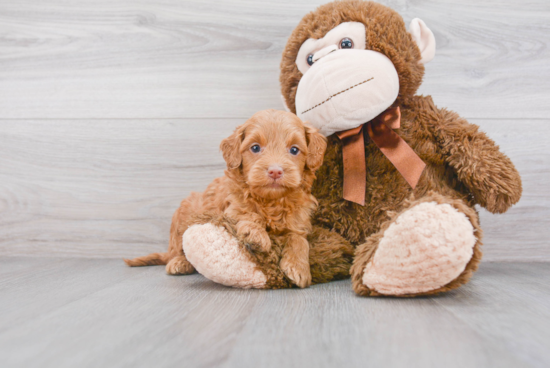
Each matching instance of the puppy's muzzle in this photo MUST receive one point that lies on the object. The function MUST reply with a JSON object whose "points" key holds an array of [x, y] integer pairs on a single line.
{"points": [[275, 172]]}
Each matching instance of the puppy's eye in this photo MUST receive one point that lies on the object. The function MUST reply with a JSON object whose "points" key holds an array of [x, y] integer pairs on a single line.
{"points": [[256, 148], [310, 59], [346, 43], [294, 150]]}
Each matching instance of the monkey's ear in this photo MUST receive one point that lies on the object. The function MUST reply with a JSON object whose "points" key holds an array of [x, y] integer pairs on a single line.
{"points": [[231, 148], [316, 146], [424, 38]]}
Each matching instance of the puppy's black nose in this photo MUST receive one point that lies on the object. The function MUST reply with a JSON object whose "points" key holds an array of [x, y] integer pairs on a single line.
{"points": [[274, 172]]}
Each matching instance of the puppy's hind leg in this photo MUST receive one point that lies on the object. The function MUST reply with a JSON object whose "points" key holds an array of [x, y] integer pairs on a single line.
{"points": [[179, 266], [178, 263]]}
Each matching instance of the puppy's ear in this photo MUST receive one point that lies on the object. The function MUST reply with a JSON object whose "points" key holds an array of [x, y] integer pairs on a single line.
{"points": [[316, 146], [231, 148]]}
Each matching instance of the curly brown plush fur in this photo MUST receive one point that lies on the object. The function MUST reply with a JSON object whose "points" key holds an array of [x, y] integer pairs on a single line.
{"points": [[464, 167]]}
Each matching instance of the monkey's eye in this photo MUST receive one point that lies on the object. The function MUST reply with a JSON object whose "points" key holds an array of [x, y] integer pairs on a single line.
{"points": [[346, 43], [310, 59], [294, 150], [256, 148]]}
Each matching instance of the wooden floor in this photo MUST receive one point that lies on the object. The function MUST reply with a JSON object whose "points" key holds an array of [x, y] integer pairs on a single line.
{"points": [[100, 313]]}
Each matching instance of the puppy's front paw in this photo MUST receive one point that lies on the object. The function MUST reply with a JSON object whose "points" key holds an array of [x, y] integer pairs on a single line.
{"points": [[298, 272], [256, 239]]}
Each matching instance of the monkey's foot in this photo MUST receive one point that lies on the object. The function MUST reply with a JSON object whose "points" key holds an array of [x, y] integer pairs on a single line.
{"points": [[216, 255], [421, 251]]}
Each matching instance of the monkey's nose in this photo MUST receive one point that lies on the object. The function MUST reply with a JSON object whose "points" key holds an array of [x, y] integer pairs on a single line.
{"points": [[324, 52], [274, 172]]}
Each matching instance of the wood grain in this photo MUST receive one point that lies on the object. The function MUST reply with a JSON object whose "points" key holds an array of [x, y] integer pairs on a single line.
{"points": [[108, 188], [91, 313], [508, 304], [84, 188], [522, 232], [111, 112], [208, 58]]}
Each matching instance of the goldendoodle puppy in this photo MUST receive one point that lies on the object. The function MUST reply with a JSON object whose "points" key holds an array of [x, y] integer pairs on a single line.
{"points": [[271, 163]]}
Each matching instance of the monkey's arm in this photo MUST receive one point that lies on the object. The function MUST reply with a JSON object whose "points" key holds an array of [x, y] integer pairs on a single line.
{"points": [[488, 173]]}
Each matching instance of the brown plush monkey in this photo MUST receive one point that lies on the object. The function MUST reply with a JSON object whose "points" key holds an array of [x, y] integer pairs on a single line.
{"points": [[400, 177]]}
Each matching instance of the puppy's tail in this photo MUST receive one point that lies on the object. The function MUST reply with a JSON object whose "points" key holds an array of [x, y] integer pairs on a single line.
{"points": [[150, 260]]}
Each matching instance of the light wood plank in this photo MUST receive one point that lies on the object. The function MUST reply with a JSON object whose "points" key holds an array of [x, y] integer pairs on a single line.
{"points": [[522, 233], [151, 319], [214, 58], [50, 284], [343, 330], [108, 188], [16, 265], [123, 323], [508, 304], [85, 187]]}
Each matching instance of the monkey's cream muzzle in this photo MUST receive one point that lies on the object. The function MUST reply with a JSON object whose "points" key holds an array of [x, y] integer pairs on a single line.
{"points": [[346, 88]]}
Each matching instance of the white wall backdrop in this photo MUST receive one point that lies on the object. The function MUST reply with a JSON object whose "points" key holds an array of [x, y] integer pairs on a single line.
{"points": [[111, 111]]}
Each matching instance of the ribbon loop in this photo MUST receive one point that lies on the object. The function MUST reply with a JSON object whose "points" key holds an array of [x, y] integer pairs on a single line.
{"points": [[380, 131], [355, 168], [391, 118]]}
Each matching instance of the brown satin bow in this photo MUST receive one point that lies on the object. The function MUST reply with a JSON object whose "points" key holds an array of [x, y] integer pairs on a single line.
{"points": [[401, 155]]}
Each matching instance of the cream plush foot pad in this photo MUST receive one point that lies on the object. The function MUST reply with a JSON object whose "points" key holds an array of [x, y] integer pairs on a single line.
{"points": [[215, 254], [427, 247]]}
